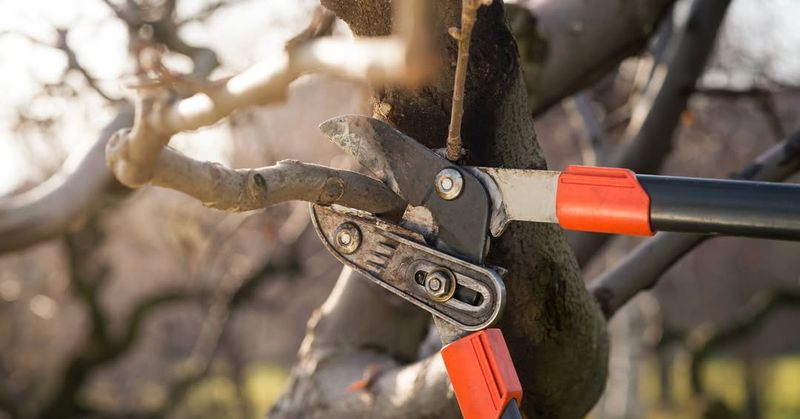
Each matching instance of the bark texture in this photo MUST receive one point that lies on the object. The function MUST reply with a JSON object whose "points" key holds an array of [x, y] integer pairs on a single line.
{"points": [[555, 331]]}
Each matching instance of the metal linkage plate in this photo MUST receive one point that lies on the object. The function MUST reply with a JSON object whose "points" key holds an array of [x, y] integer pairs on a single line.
{"points": [[470, 297]]}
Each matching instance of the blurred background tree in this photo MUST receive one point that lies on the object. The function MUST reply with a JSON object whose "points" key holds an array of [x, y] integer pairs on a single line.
{"points": [[150, 305]]}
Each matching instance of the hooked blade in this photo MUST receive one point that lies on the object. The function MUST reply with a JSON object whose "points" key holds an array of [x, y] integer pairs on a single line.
{"points": [[387, 153], [409, 169]]}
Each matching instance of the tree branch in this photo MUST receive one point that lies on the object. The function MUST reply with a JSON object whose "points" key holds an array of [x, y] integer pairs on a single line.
{"points": [[469, 11], [48, 210], [227, 189], [136, 157], [642, 267], [558, 41], [592, 140], [551, 324]]}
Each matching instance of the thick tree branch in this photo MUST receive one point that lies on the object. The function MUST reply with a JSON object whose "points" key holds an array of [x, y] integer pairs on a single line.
{"points": [[558, 41], [655, 117], [47, 210], [554, 330], [228, 189], [136, 157], [642, 267]]}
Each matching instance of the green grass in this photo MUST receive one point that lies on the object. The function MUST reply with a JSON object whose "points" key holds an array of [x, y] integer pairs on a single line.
{"points": [[264, 385], [216, 397], [723, 380]]}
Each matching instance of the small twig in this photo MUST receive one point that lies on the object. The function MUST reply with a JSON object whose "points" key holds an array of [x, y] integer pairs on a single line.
{"points": [[469, 10], [208, 11], [591, 134], [321, 25]]}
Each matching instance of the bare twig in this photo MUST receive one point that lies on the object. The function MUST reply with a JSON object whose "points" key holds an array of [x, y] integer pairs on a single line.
{"points": [[321, 25], [74, 64], [469, 11], [208, 11], [642, 267], [591, 134], [50, 208], [72, 59]]}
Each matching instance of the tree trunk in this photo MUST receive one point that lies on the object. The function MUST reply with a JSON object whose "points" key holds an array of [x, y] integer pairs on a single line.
{"points": [[555, 331]]}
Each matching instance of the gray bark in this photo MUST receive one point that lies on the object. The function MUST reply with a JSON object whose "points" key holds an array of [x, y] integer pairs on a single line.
{"points": [[565, 45]]}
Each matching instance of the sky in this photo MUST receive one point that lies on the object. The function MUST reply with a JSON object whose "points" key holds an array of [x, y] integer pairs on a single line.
{"points": [[242, 34], [764, 30]]}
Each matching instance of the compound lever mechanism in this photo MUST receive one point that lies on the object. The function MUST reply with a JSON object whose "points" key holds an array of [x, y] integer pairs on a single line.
{"points": [[467, 296]]}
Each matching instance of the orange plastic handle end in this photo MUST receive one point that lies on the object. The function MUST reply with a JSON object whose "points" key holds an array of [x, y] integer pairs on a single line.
{"points": [[603, 200], [482, 373]]}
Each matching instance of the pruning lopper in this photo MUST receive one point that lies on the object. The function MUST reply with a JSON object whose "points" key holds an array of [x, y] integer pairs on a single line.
{"points": [[434, 256]]}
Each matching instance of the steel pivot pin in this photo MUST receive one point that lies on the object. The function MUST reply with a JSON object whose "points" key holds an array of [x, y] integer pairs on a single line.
{"points": [[440, 285], [449, 183], [347, 238]]}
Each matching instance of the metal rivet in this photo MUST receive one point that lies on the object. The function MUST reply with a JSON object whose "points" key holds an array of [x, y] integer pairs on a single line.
{"points": [[440, 285], [347, 238], [449, 183]]}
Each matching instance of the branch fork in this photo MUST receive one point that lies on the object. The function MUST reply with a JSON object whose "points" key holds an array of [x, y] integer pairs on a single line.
{"points": [[140, 156]]}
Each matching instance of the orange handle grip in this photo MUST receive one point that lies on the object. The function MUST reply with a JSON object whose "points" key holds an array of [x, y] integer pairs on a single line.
{"points": [[603, 200], [482, 373]]}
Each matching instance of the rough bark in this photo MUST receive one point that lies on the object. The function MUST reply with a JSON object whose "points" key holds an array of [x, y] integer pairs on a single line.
{"points": [[568, 44], [555, 332]]}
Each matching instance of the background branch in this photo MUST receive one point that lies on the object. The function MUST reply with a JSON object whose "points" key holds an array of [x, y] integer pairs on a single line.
{"points": [[558, 45], [642, 267], [656, 116], [707, 340]]}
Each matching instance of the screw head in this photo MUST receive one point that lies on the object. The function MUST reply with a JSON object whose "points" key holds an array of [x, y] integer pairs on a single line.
{"points": [[449, 182], [347, 238], [440, 285]]}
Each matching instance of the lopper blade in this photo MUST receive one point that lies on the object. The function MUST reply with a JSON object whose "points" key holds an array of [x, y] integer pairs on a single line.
{"points": [[409, 169]]}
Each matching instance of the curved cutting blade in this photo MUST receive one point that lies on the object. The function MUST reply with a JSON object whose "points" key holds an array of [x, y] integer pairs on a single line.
{"points": [[409, 169]]}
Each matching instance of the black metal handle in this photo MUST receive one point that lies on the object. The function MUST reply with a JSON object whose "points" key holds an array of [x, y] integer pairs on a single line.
{"points": [[511, 411], [731, 207]]}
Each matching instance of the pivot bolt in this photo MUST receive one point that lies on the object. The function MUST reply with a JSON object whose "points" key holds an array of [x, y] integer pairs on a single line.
{"points": [[347, 238], [440, 285], [449, 183]]}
